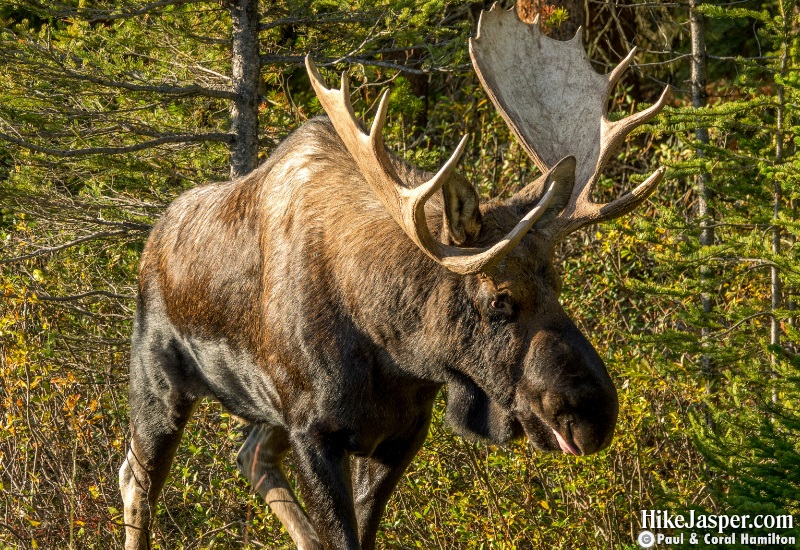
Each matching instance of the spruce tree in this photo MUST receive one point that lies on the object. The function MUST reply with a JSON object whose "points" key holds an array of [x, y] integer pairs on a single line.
{"points": [[748, 165]]}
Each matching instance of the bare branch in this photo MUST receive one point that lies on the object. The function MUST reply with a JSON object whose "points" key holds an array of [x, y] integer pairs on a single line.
{"points": [[14, 532], [69, 153], [191, 89], [740, 322], [316, 20], [88, 294], [297, 59], [50, 249]]}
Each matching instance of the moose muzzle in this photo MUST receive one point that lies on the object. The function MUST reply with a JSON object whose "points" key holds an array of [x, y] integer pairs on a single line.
{"points": [[566, 399]]}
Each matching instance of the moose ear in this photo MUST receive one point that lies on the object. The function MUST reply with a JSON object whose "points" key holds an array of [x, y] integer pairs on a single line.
{"points": [[462, 213], [563, 174]]}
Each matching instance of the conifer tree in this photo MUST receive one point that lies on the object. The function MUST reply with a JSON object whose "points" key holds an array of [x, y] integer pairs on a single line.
{"points": [[759, 443], [750, 161], [108, 110]]}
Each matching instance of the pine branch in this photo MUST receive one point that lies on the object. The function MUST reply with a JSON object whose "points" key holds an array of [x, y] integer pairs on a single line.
{"points": [[62, 69], [93, 15]]}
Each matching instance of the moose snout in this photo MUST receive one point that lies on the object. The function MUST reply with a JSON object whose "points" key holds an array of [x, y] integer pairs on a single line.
{"points": [[569, 391], [583, 421]]}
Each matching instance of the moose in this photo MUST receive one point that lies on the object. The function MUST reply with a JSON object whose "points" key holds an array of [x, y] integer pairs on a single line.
{"points": [[329, 295]]}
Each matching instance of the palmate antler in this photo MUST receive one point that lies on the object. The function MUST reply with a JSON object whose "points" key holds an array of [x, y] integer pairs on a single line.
{"points": [[407, 205], [555, 104]]}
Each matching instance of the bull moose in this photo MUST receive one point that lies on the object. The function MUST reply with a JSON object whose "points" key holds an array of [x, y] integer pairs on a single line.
{"points": [[329, 295]]}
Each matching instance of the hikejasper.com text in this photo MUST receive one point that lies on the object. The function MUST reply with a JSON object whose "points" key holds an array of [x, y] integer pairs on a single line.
{"points": [[664, 519]]}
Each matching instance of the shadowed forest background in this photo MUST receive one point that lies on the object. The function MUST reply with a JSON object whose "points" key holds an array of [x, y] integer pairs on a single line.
{"points": [[109, 110]]}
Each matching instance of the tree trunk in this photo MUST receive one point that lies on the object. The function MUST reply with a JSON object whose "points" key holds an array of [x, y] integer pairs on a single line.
{"points": [[246, 75], [775, 279], [704, 213]]}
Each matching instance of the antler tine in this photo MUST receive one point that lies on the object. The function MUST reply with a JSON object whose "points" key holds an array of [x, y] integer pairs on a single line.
{"points": [[632, 200], [556, 105], [621, 128], [582, 210], [617, 72], [376, 132], [407, 205]]}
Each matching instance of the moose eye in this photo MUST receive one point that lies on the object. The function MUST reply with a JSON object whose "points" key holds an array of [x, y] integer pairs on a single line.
{"points": [[500, 304]]}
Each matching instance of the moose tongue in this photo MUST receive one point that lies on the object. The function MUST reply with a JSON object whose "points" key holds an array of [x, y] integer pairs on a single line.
{"points": [[565, 445]]}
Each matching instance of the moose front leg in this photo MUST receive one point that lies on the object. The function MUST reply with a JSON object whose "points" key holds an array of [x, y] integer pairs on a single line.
{"points": [[261, 461], [324, 476], [375, 477]]}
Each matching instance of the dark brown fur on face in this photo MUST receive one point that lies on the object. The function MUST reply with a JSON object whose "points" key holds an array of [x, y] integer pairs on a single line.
{"points": [[293, 298]]}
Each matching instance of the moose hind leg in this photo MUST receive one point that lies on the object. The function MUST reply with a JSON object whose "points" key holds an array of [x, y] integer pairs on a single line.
{"points": [[260, 461]]}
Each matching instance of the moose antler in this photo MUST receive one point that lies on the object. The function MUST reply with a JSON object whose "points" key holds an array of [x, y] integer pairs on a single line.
{"points": [[555, 104], [405, 204]]}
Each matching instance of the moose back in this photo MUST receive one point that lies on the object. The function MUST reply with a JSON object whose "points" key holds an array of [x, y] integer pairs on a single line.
{"points": [[330, 294]]}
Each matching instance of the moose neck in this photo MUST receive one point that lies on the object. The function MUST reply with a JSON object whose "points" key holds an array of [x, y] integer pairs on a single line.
{"points": [[437, 332]]}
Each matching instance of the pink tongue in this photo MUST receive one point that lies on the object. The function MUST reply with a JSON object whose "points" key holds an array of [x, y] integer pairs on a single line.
{"points": [[565, 446]]}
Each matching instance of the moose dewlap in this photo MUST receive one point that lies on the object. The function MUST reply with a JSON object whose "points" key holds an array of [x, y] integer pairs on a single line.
{"points": [[329, 295]]}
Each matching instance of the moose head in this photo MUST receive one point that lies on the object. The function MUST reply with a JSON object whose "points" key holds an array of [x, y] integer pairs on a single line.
{"points": [[328, 296]]}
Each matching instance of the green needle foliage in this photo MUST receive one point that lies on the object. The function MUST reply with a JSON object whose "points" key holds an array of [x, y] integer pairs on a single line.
{"points": [[757, 444], [746, 428]]}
